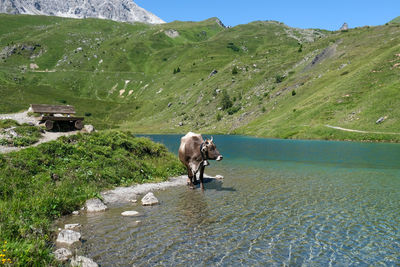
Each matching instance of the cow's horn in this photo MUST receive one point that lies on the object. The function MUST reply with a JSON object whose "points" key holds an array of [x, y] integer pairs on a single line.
{"points": [[212, 138]]}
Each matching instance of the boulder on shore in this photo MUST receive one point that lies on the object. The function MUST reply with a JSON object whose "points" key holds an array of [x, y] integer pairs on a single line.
{"points": [[95, 205], [88, 128], [149, 200], [62, 254], [68, 237]]}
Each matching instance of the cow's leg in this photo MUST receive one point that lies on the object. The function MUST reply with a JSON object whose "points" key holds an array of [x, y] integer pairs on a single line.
{"points": [[190, 178], [201, 176]]}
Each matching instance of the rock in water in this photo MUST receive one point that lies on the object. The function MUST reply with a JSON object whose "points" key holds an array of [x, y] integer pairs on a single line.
{"points": [[83, 262], [130, 213], [72, 226], [95, 205], [62, 254], [149, 200], [68, 237]]}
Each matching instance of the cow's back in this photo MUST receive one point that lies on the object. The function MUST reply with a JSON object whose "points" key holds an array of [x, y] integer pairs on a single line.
{"points": [[190, 147]]}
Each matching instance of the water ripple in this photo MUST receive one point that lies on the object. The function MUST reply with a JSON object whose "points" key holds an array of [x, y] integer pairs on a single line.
{"points": [[273, 217]]}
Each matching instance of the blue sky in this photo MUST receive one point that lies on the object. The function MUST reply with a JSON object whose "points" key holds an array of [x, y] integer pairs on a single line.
{"points": [[321, 14]]}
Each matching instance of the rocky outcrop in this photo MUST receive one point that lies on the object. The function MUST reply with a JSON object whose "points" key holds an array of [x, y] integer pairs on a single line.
{"points": [[344, 27], [95, 205], [149, 200], [118, 10], [68, 237], [172, 33]]}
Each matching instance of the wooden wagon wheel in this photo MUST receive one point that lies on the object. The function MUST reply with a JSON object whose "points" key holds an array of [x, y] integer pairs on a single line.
{"points": [[79, 124], [49, 124]]}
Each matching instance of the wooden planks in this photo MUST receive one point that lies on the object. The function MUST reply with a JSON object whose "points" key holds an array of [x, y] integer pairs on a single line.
{"points": [[53, 109], [52, 118]]}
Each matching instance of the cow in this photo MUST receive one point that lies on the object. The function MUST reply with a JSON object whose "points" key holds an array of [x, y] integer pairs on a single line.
{"points": [[194, 153]]}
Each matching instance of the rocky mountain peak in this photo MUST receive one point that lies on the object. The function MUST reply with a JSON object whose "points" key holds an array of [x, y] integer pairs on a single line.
{"points": [[344, 27], [117, 10]]}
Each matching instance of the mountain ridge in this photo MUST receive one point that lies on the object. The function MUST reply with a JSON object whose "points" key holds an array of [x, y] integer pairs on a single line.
{"points": [[117, 10]]}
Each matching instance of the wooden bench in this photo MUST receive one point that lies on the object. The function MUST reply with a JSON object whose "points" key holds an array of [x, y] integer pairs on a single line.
{"points": [[49, 115]]}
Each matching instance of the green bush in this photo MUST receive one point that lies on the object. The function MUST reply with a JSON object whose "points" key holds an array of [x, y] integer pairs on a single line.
{"points": [[279, 78], [7, 123], [234, 70], [225, 100], [30, 199], [232, 110], [233, 47]]}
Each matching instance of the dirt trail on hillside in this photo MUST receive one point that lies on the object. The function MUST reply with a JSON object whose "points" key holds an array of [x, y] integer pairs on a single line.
{"points": [[358, 131], [23, 117]]}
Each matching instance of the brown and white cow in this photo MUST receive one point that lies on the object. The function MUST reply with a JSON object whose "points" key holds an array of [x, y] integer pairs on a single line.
{"points": [[194, 153]]}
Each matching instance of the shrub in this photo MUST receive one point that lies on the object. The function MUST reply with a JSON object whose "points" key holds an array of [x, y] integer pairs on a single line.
{"points": [[88, 114], [218, 116], [293, 93], [234, 70], [300, 48], [344, 73], [7, 123], [233, 47], [225, 100], [279, 78], [233, 110]]}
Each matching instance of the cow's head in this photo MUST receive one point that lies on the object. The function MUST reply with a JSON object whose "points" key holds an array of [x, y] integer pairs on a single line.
{"points": [[210, 150]]}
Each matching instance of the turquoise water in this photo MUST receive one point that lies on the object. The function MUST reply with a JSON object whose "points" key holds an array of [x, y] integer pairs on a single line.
{"points": [[282, 202]]}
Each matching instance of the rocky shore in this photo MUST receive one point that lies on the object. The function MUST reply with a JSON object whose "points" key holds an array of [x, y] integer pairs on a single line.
{"points": [[70, 235]]}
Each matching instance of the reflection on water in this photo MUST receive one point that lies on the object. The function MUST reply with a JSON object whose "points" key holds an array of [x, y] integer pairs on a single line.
{"points": [[281, 202]]}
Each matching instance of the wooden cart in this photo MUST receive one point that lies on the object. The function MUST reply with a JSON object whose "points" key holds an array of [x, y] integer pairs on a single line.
{"points": [[51, 114]]}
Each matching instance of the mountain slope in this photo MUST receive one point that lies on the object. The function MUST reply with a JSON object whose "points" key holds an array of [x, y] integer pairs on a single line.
{"points": [[281, 82], [395, 20], [117, 10]]}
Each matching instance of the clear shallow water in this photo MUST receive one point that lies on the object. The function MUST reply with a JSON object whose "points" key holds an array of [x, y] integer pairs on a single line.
{"points": [[312, 203]]}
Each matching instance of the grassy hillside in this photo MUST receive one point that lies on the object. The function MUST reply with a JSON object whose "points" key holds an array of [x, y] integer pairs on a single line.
{"points": [[395, 20], [270, 80]]}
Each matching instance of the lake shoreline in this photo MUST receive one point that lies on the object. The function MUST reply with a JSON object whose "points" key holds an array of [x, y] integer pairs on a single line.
{"points": [[380, 141]]}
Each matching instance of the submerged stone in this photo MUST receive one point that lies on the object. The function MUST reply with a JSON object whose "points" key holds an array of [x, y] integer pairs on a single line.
{"points": [[82, 261], [95, 205], [149, 200], [130, 213], [72, 226]]}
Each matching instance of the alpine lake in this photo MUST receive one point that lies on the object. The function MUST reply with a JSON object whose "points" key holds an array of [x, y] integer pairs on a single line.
{"points": [[281, 203]]}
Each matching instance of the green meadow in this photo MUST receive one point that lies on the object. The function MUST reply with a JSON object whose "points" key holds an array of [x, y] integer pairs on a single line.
{"points": [[281, 82]]}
